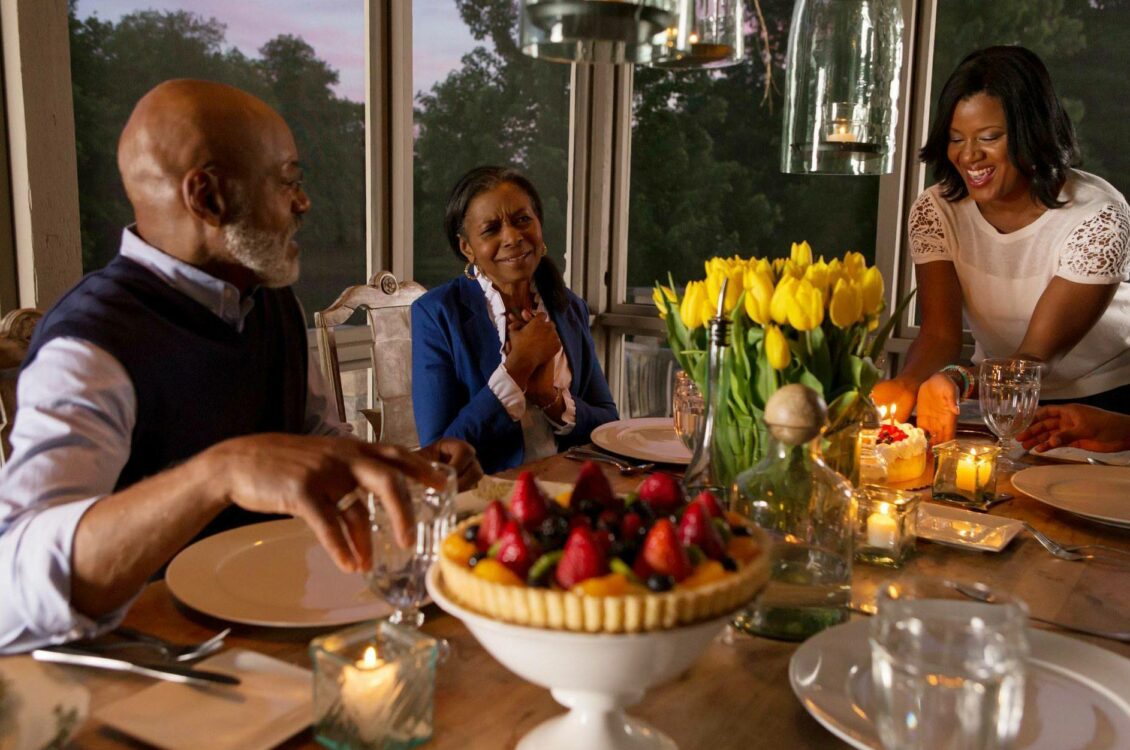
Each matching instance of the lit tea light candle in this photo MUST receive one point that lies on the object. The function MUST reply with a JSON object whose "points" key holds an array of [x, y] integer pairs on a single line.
{"points": [[882, 529], [368, 690], [841, 132], [973, 471]]}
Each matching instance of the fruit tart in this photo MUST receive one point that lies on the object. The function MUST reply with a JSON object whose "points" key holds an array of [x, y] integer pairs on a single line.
{"points": [[903, 448], [590, 561]]}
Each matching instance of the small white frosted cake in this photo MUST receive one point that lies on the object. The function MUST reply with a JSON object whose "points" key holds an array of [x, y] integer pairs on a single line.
{"points": [[903, 448]]}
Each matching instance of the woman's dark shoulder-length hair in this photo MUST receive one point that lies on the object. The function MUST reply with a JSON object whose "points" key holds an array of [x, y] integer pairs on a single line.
{"points": [[1041, 139], [547, 277]]}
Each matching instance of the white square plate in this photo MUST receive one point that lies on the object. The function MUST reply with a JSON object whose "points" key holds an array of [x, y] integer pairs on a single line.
{"points": [[964, 528], [273, 702]]}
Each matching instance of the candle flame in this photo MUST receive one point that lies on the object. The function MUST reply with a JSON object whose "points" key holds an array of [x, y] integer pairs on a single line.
{"points": [[882, 412], [884, 509], [369, 660]]}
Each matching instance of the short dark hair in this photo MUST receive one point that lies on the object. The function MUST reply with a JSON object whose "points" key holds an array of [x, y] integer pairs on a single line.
{"points": [[479, 180], [1041, 139]]}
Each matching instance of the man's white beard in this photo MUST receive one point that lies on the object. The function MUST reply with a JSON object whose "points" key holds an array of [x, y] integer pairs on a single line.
{"points": [[263, 253]]}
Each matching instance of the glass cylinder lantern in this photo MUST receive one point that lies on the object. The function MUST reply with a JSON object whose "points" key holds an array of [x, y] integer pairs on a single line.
{"points": [[709, 34], [374, 687], [886, 525], [706, 471], [599, 31], [966, 473], [841, 96]]}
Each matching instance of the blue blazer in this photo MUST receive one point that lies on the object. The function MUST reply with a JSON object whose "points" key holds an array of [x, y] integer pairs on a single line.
{"points": [[455, 349]]}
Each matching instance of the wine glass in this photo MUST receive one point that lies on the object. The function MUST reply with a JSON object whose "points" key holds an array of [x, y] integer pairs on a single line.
{"points": [[1009, 391], [688, 409], [398, 574]]}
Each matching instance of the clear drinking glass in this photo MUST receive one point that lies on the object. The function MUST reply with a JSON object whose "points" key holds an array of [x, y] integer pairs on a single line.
{"points": [[398, 574], [948, 667], [688, 408], [1009, 390]]}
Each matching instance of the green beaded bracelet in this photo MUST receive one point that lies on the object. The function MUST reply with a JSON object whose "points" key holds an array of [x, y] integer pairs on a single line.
{"points": [[966, 378]]}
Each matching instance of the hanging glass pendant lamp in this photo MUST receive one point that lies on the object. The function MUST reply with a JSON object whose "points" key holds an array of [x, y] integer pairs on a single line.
{"points": [[710, 34], [841, 97], [609, 31]]}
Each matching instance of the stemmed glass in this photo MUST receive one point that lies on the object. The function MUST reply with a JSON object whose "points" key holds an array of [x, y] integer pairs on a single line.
{"points": [[1009, 390], [398, 574], [688, 408]]}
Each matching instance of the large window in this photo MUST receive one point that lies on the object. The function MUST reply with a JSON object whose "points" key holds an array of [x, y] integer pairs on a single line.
{"points": [[479, 101], [305, 59], [706, 177]]}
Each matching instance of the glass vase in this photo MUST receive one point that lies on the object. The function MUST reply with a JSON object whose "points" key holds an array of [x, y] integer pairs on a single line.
{"points": [[809, 511], [840, 445], [710, 467]]}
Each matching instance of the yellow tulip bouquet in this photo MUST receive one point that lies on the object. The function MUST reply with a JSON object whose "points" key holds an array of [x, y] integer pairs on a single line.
{"points": [[795, 320]]}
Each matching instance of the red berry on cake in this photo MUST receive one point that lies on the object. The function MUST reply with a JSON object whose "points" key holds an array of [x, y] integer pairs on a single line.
{"points": [[696, 527], [662, 553], [494, 518], [591, 485], [514, 549], [709, 503], [528, 505], [581, 560], [661, 491]]}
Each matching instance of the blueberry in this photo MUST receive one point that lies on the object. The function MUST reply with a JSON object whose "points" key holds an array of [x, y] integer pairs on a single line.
{"points": [[474, 559], [660, 583], [647, 513], [741, 530], [625, 550], [471, 533], [553, 532], [729, 564], [589, 507]]}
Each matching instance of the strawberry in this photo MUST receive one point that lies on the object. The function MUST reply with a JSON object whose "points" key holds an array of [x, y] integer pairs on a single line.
{"points": [[696, 527], [527, 505], [661, 492], [494, 518], [581, 560], [514, 549], [662, 553], [592, 485], [709, 503], [630, 526]]}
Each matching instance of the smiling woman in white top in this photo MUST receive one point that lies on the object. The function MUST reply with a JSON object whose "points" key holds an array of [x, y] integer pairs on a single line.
{"points": [[1033, 252]]}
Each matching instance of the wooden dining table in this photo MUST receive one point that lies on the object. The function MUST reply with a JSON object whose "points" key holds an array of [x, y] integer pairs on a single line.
{"points": [[737, 695]]}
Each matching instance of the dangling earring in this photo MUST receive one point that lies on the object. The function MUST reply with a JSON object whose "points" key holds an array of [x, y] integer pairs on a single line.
{"points": [[470, 271], [544, 249]]}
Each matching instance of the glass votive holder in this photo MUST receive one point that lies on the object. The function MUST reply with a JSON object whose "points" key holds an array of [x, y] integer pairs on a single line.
{"points": [[966, 473], [886, 525], [374, 687]]}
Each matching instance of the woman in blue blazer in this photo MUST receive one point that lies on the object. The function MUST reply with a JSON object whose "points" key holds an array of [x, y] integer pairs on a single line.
{"points": [[502, 356]]}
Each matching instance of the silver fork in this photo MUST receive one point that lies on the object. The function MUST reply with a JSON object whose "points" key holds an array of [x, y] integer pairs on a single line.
{"points": [[975, 592], [1072, 552], [172, 651], [626, 468]]}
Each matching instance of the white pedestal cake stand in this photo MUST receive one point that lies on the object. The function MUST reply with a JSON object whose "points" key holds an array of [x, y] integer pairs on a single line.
{"points": [[596, 676]]}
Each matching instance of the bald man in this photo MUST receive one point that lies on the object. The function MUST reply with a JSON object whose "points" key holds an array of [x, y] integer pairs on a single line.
{"points": [[170, 394]]}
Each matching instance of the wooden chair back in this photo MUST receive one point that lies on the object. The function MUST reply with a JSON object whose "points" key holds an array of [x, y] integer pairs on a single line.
{"points": [[386, 303], [15, 336]]}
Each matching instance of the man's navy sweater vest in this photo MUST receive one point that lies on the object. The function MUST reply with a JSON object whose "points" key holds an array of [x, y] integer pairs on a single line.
{"points": [[198, 381]]}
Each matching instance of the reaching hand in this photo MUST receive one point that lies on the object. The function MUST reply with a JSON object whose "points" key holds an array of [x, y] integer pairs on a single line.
{"points": [[307, 476], [937, 408], [896, 392], [460, 456], [1077, 426]]}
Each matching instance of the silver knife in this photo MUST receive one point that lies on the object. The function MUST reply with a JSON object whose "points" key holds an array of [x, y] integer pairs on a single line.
{"points": [[172, 673]]}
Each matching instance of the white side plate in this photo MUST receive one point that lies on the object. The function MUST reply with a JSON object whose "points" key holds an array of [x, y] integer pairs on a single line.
{"points": [[648, 439], [964, 528], [273, 573], [1075, 696], [272, 703], [1100, 493]]}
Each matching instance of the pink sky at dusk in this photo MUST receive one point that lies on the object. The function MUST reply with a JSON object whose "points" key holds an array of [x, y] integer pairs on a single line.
{"points": [[334, 28]]}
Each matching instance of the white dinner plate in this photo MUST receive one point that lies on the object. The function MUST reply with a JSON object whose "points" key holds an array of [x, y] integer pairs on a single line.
{"points": [[273, 573], [271, 703], [648, 439], [1075, 695], [962, 528], [1100, 493]]}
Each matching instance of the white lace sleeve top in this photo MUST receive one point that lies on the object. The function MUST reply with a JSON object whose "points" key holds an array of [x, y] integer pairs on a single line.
{"points": [[1002, 276]]}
